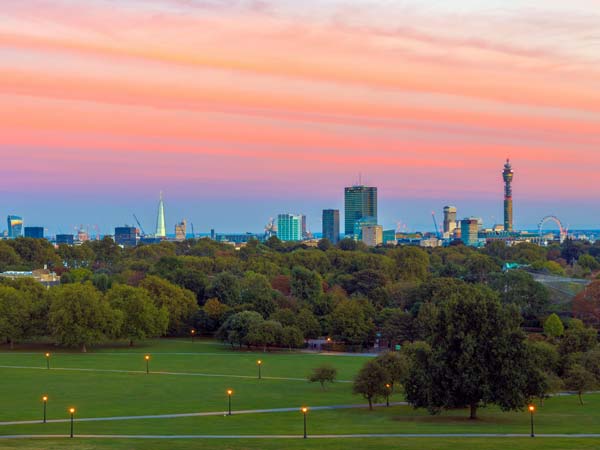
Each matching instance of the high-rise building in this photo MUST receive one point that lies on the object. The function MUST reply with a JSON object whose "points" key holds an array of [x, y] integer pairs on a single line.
{"points": [[161, 229], [372, 235], [289, 227], [360, 224], [469, 231], [213, 235], [65, 239], [34, 232], [359, 202], [507, 175], [303, 227], [331, 225], [15, 226], [180, 230], [449, 219], [126, 236]]}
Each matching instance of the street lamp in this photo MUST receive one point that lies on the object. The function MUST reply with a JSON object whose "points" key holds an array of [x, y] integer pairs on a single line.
{"points": [[72, 412], [304, 410], [45, 400], [147, 358], [193, 333], [531, 411], [47, 360], [259, 364], [229, 393], [388, 388]]}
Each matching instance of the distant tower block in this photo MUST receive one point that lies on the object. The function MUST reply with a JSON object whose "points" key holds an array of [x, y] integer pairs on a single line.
{"points": [[161, 230], [449, 219], [507, 175]]}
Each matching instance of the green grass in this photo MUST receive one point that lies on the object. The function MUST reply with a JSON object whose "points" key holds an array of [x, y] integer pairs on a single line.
{"points": [[104, 394]]}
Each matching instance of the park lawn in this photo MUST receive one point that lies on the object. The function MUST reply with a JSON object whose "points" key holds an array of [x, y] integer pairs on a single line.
{"points": [[314, 444], [176, 355]]}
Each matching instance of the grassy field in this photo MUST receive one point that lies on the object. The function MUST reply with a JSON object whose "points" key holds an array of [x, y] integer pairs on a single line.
{"points": [[195, 377]]}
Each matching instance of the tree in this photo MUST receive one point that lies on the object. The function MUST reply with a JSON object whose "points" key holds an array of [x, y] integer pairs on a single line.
{"points": [[396, 365], [306, 285], [141, 318], [553, 326], [180, 303], [308, 324], [291, 337], [519, 287], [226, 287], [15, 309], [237, 326], [81, 316], [350, 324], [477, 355], [578, 338], [586, 305], [580, 380], [412, 262], [8, 257], [265, 333], [256, 290], [370, 382], [324, 373]]}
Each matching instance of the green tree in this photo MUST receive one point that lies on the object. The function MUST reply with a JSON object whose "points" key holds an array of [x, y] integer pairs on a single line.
{"points": [[325, 373], [412, 262], [580, 380], [350, 324], [237, 326], [553, 326], [291, 337], [141, 318], [370, 382], [15, 309], [8, 257], [81, 316], [265, 334], [180, 303], [226, 287], [578, 338], [518, 287], [256, 291], [396, 365], [477, 355], [306, 285]]}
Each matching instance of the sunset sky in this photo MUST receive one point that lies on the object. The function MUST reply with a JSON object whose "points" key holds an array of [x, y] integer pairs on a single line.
{"points": [[239, 110]]}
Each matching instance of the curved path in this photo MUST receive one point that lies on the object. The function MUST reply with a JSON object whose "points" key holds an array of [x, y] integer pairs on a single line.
{"points": [[295, 436], [198, 414]]}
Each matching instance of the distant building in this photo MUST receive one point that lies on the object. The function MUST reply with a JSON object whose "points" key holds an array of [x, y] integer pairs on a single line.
{"points": [[180, 230], [289, 227], [161, 229], [469, 231], [507, 176], [237, 238], [126, 236], [449, 220], [389, 236], [331, 225], [359, 202], [372, 235], [212, 234], [34, 232], [360, 224], [304, 229], [15, 226], [66, 239], [43, 276]]}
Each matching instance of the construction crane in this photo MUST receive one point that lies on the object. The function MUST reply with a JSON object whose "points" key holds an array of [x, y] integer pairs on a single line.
{"points": [[139, 225], [437, 230]]}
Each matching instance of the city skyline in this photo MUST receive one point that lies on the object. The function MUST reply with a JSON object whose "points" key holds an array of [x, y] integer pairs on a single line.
{"points": [[316, 92]]}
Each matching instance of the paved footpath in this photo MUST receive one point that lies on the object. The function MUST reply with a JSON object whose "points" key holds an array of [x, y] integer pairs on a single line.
{"points": [[198, 414], [187, 374], [294, 436]]}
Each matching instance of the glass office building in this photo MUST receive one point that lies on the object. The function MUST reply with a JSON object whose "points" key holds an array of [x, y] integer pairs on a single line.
{"points": [[359, 202], [331, 225], [15, 226], [34, 232], [289, 227]]}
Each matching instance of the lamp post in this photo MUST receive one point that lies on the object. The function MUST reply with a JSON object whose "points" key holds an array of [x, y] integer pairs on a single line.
{"points": [[45, 400], [388, 388], [72, 412], [259, 364], [147, 358], [193, 333], [229, 393], [47, 360], [304, 411], [531, 411]]}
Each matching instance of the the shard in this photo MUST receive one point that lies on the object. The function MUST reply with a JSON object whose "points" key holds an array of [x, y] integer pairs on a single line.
{"points": [[161, 230]]}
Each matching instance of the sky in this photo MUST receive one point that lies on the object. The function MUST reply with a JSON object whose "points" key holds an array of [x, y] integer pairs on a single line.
{"points": [[240, 110]]}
